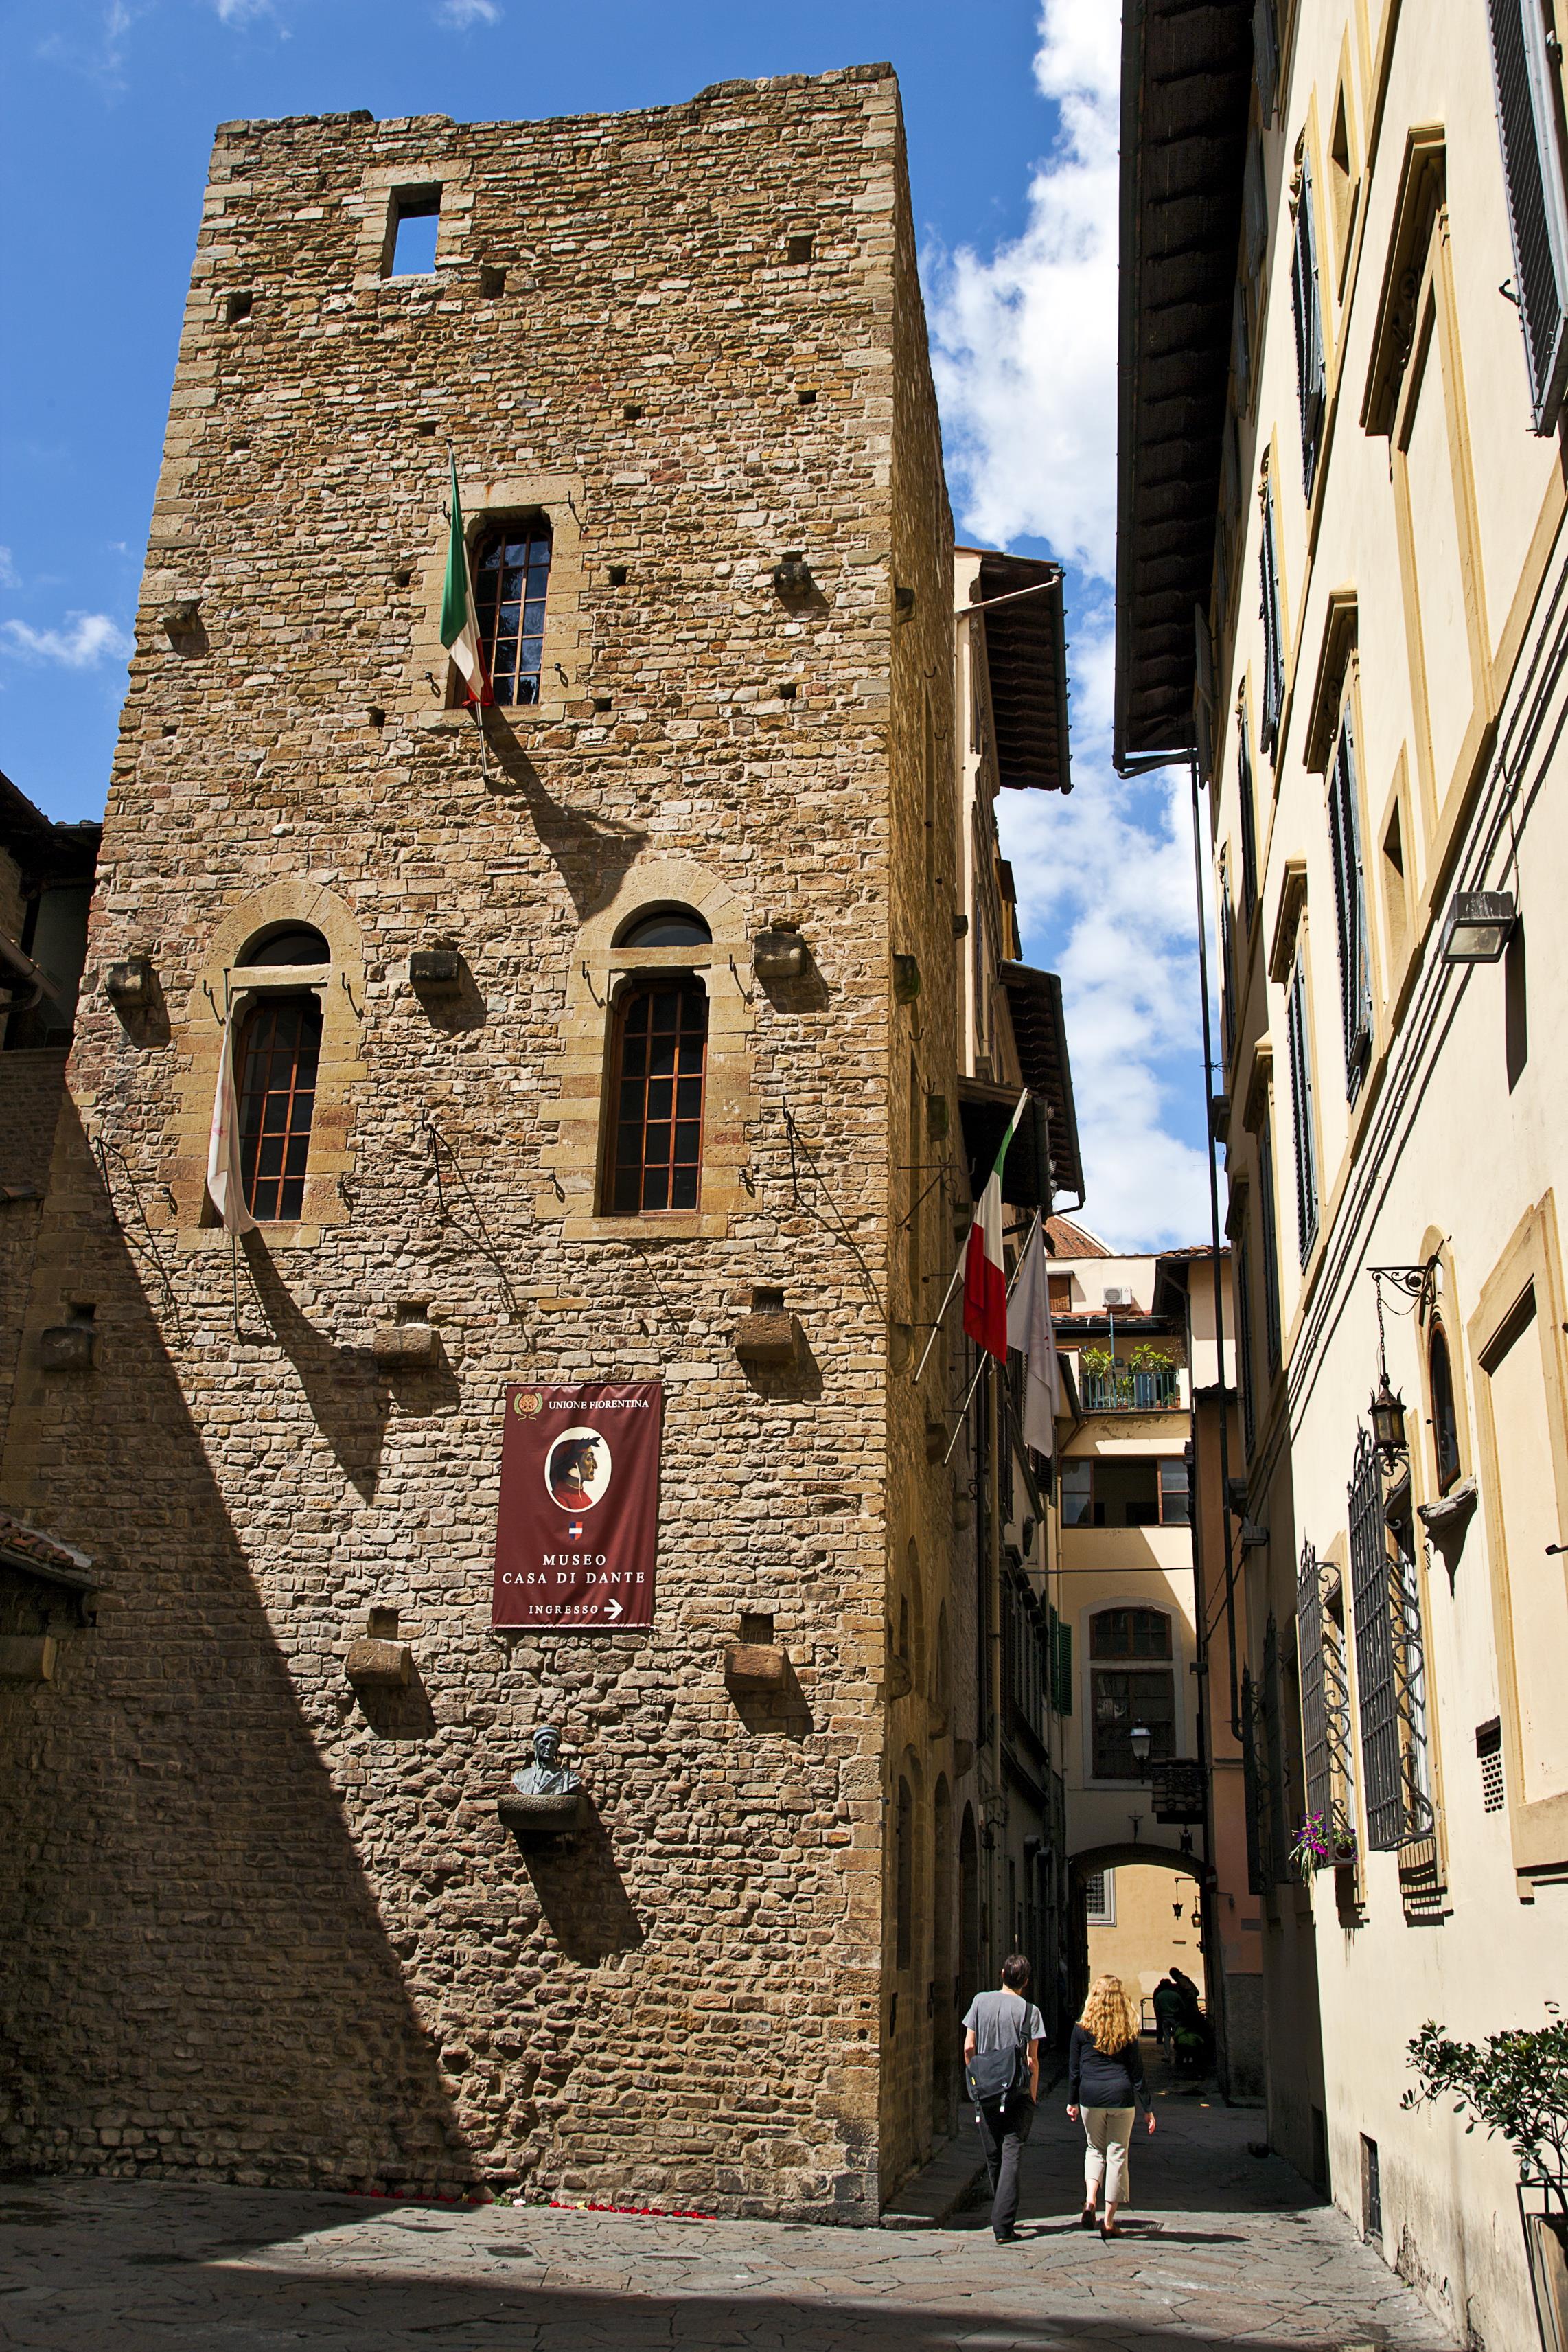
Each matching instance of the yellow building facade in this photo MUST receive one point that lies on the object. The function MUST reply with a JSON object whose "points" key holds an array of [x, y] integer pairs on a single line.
{"points": [[1342, 593]]}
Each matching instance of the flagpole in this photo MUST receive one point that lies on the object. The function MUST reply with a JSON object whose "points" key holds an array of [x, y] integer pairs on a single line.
{"points": [[981, 1367], [941, 1311]]}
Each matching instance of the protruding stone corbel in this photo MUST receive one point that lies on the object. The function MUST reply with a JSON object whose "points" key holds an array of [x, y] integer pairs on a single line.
{"points": [[768, 1335], [378, 1660], [754, 1670]]}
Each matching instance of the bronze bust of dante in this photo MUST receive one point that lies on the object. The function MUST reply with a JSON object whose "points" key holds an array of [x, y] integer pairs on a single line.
{"points": [[545, 1776]]}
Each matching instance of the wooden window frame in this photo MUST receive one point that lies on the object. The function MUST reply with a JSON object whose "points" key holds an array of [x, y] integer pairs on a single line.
{"points": [[642, 987], [493, 531], [286, 1185]]}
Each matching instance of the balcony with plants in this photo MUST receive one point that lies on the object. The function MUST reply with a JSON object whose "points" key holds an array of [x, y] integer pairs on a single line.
{"points": [[1147, 1379]]}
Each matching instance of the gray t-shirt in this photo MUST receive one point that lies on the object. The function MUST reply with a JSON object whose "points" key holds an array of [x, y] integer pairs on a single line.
{"points": [[994, 2018]]}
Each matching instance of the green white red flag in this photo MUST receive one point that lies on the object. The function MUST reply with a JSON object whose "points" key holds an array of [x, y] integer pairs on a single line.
{"points": [[985, 1269], [459, 616], [226, 1179]]}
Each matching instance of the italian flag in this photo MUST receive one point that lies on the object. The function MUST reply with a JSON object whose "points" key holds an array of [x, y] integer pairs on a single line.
{"points": [[459, 620], [985, 1274]]}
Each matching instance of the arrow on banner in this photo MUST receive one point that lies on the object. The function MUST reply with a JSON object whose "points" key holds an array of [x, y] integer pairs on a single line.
{"points": [[613, 1609]]}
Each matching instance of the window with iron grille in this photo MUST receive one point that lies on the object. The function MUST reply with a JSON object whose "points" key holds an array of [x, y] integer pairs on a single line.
{"points": [[1272, 1321], [1307, 312], [1244, 795], [1274, 1763], [1389, 1664], [1528, 126], [511, 575], [1350, 911], [1300, 1045], [1100, 1897], [659, 1071], [1244, 1340], [1326, 1701], [279, 1047], [1270, 715]]}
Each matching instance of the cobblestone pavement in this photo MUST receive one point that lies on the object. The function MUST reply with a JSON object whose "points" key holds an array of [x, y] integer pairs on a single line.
{"points": [[1224, 2249]]}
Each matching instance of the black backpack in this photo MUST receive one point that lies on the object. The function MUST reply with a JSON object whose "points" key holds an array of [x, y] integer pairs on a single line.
{"points": [[998, 2075]]}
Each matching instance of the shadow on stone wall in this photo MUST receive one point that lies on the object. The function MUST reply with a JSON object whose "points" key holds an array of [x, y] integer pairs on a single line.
{"points": [[348, 1395], [580, 1890], [594, 853], [194, 1973]]}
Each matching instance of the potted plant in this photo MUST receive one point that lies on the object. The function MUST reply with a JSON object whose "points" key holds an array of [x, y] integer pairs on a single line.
{"points": [[1516, 2083]]}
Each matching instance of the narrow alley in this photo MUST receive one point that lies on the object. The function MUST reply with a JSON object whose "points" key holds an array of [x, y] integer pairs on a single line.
{"points": [[1223, 2248]]}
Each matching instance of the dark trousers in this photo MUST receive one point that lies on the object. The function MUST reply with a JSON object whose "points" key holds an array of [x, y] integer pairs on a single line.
{"points": [[1003, 2132]]}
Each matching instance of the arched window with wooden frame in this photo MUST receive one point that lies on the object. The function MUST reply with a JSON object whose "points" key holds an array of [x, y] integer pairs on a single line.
{"points": [[511, 578], [279, 1047], [1445, 1413], [658, 1085]]}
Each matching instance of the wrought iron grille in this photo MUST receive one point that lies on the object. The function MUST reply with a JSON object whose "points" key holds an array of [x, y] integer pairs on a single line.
{"points": [[1390, 1667], [1325, 1702], [1252, 1785]]}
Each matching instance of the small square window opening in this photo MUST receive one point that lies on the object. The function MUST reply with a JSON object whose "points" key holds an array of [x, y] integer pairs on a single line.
{"points": [[807, 397], [416, 223], [797, 250], [237, 308]]}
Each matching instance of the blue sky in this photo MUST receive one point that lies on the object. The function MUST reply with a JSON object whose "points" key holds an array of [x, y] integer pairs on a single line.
{"points": [[108, 111]]}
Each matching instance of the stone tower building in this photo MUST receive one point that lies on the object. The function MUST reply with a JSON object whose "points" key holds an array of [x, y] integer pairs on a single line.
{"points": [[264, 1919]]}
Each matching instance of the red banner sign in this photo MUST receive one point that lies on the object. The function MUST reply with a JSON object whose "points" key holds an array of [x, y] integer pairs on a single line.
{"points": [[578, 1532]]}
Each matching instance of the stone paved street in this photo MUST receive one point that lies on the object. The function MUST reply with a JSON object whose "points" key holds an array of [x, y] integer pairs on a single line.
{"points": [[1223, 2248]]}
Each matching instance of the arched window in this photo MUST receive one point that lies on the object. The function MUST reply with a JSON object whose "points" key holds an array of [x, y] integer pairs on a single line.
{"points": [[279, 1046], [666, 927], [1444, 1417], [658, 1081], [511, 573], [287, 943], [1127, 1688]]}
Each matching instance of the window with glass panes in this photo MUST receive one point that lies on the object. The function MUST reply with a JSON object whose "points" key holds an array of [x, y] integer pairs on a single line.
{"points": [[510, 578], [660, 1070], [1131, 1683], [279, 1047], [1115, 1492]]}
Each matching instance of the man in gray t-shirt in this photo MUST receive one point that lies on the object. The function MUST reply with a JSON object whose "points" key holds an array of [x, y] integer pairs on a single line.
{"points": [[998, 2020]]}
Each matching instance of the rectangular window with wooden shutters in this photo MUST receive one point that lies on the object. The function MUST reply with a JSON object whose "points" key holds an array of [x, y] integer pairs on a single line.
{"points": [[1350, 912], [1299, 1044], [1326, 1703], [1307, 312], [1273, 647], [1244, 1343], [1272, 1323], [1527, 125], [1227, 974], [1248, 821]]}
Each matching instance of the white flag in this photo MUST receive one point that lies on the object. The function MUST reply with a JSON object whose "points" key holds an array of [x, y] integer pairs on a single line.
{"points": [[1029, 1331], [225, 1187]]}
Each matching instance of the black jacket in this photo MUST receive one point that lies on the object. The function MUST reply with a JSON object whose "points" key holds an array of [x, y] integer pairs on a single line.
{"points": [[1094, 2080]]}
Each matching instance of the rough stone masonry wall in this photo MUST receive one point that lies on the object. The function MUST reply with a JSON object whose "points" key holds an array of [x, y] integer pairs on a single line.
{"points": [[255, 1928], [32, 1088]]}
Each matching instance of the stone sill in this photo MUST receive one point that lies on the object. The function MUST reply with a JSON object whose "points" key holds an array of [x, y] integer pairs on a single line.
{"points": [[679, 1225]]}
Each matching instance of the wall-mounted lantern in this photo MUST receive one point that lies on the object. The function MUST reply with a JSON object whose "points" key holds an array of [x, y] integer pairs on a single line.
{"points": [[1478, 927], [1387, 1415], [1140, 1739]]}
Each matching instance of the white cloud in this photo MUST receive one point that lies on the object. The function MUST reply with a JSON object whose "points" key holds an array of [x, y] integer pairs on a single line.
{"points": [[7, 570], [240, 12], [463, 14], [88, 639], [1026, 363], [1026, 372]]}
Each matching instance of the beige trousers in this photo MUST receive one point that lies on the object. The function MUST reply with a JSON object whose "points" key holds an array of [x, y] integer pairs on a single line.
{"points": [[1107, 2131]]}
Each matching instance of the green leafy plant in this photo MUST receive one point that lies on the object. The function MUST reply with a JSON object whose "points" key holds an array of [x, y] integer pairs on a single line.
{"points": [[1099, 1361], [1146, 1357], [1516, 2083]]}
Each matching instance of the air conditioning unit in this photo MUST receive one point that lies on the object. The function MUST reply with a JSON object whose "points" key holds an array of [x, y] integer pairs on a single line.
{"points": [[1117, 1297]]}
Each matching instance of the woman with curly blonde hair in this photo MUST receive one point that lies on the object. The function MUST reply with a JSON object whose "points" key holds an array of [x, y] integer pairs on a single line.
{"points": [[1104, 2086]]}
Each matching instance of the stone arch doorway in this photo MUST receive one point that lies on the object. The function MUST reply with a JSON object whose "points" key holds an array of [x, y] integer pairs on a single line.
{"points": [[1147, 1933]]}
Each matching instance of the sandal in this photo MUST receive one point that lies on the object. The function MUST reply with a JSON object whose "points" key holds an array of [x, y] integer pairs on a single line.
{"points": [[1109, 2230], [1086, 2220]]}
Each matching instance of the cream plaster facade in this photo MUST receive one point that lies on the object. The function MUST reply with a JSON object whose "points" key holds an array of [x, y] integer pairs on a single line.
{"points": [[1415, 1119]]}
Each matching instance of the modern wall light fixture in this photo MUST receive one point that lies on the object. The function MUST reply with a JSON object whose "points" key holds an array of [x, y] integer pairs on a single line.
{"points": [[1479, 926]]}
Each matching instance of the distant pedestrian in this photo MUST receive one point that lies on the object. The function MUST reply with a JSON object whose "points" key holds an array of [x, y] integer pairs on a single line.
{"points": [[1002, 2034], [1169, 2004], [1105, 2085]]}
